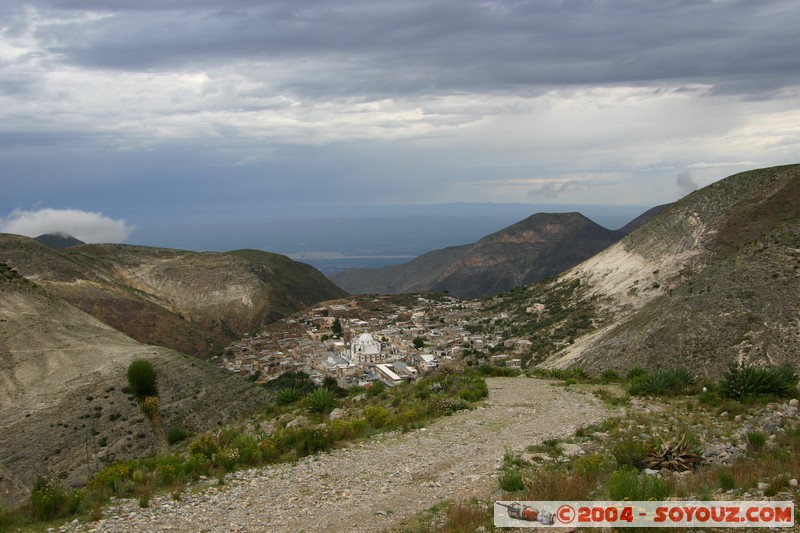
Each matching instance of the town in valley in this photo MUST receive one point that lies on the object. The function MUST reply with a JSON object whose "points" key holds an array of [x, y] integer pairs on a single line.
{"points": [[393, 339]]}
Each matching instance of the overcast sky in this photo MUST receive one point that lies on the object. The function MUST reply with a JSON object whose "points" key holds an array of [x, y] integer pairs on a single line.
{"points": [[178, 113]]}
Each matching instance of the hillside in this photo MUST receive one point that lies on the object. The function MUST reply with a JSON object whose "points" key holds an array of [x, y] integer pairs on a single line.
{"points": [[714, 279], [59, 240], [193, 302], [63, 408], [541, 246]]}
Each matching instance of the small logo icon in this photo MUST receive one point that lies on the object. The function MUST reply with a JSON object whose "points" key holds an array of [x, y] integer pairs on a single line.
{"points": [[565, 514]]}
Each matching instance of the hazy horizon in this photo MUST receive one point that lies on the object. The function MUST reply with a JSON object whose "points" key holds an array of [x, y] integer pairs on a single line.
{"points": [[352, 236]]}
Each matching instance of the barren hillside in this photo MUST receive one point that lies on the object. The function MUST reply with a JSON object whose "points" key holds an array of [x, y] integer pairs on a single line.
{"points": [[713, 279], [62, 406], [196, 303]]}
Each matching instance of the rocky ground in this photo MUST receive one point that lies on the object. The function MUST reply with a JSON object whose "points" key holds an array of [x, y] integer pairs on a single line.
{"points": [[375, 485]]}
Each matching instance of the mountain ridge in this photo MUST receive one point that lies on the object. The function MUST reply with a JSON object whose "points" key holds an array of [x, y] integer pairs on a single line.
{"points": [[712, 280], [540, 246], [194, 302]]}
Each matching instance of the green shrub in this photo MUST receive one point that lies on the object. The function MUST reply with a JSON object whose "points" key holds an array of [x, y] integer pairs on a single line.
{"points": [[321, 401], [329, 382], [198, 465], [631, 452], [448, 406], [204, 446], [594, 466], [347, 429], [10, 518], [376, 388], [726, 479], [740, 382], [377, 417], [624, 484], [288, 396], [756, 440], [113, 474], [168, 468], [609, 374], [269, 450], [611, 398], [636, 372], [662, 383], [307, 441], [291, 380], [579, 373], [473, 390], [510, 480], [248, 448], [226, 459], [176, 435], [49, 500], [627, 483]]}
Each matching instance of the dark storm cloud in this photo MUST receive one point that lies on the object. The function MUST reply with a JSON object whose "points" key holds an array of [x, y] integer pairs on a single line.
{"points": [[428, 46], [168, 111]]}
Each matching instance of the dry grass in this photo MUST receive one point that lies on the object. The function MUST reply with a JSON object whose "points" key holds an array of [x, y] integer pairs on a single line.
{"points": [[545, 485], [466, 518]]}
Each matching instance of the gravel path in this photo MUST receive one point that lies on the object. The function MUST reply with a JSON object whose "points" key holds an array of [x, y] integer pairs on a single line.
{"points": [[378, 484]]}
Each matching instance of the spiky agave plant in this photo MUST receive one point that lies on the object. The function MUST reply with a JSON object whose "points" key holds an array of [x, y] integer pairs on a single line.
{"points": [[674, 456], [143, 381]]}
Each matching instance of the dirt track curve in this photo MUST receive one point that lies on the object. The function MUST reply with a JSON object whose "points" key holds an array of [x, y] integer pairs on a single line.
{"points": [[379, 484]]}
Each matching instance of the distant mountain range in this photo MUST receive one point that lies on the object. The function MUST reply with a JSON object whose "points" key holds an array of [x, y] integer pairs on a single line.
{"points": [[541, 246], [193, 302], [712, 280]]}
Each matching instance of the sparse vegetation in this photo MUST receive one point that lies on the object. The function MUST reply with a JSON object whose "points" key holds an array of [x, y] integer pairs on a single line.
{"points": [[616, 468], [49, 500], [401, 407]]}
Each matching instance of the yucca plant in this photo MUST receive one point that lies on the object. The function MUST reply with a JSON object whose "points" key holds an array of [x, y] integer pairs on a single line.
{"points": [[664, 382], [674, 456], [321, 400], [288, 396], [143, 381], [746, 381]]}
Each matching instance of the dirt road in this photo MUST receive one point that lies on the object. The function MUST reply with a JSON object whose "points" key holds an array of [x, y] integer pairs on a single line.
{"points": [[379, 484]]}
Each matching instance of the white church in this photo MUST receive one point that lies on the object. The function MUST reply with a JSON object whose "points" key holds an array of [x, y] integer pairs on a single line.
{"points": [[366, 350]]}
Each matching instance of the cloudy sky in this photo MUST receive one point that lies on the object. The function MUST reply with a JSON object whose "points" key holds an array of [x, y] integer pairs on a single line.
{"points": [[140, 118]]}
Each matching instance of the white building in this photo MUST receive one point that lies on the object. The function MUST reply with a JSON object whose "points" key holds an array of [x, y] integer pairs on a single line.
{"points": [[427, 362], [366, 350], [388, 375]]}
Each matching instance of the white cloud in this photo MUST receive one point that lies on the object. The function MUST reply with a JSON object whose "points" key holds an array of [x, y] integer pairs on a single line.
{"points": [[87, 226]]}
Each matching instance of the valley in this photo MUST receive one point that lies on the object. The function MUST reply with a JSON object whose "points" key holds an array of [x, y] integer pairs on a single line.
{"points": [[708, 282]]}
